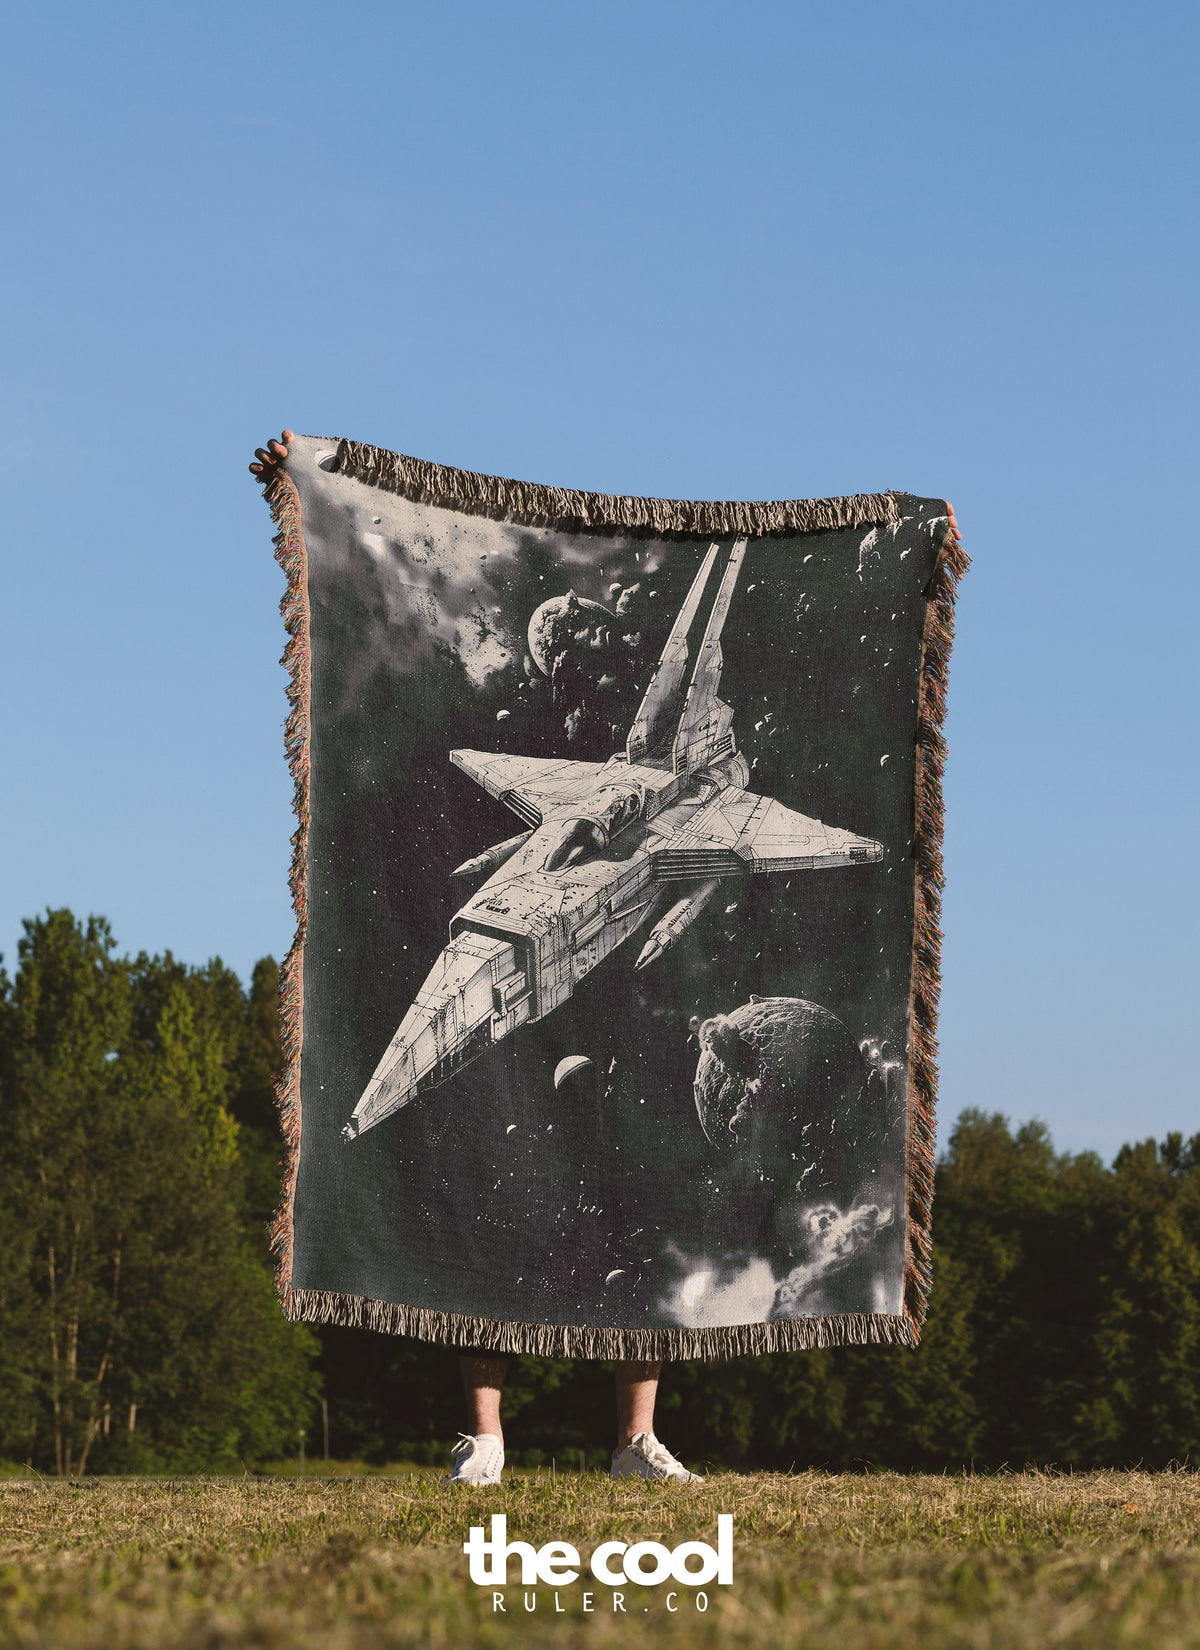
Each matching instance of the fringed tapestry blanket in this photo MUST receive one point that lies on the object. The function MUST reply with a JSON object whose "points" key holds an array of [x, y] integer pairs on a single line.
{"points": [[610, 1015]]}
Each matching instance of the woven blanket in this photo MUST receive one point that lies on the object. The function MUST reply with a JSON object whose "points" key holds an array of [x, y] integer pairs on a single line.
{"points": [[610, 1014]]}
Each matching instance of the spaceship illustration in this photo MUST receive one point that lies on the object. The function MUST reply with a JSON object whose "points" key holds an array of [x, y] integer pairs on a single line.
{"points": [[608, 848]]}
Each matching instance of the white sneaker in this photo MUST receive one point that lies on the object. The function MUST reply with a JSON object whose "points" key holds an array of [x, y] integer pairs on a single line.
{"points": [[644, 1457], [477, 1460]]}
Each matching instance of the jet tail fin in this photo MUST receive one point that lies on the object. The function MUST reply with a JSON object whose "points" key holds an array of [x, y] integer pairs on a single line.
{"points": [[705, 731], [663, 701]]}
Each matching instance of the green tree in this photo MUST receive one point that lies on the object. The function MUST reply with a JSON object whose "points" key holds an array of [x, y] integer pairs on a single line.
{"points": [[258, 1065], [1142, 1400], [144, 1328]]}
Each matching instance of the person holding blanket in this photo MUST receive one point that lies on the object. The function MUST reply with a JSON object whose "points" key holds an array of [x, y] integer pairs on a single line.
{"points": [[479, 1454], [655, 1077]]}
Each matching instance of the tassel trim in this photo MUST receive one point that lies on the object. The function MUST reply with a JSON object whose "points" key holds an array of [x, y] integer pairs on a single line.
{"points": [[929, 874], [290, 553], [532, 505], [569, 1341]]}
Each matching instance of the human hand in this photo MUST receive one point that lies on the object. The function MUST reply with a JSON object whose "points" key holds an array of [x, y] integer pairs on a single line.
{"points": [[270, 456]]}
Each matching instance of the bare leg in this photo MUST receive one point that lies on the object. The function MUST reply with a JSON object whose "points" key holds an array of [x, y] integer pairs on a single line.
{"points": [[482, 1380], [637, 1388]]}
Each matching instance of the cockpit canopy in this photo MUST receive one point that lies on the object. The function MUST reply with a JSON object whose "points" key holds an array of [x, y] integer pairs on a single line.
{"points": [[572, 840], [619, 805], [578, 837]]}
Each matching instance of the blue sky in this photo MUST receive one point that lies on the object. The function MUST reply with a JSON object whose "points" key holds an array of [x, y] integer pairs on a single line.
{"points": [[694, 250]]}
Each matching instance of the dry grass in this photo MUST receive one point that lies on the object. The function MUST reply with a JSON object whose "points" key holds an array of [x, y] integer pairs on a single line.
{"points": [[362, 1564]]}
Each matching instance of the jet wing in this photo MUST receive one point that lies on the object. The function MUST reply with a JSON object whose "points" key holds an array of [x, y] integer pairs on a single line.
{"points": [[529, 785], [738, 832]]}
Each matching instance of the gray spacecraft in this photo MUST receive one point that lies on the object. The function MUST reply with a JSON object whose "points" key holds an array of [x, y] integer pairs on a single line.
{"points": [[609, 847]]}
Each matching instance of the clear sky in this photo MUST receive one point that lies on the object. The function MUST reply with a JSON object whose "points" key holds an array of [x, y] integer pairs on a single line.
{"points": [[764, 250]]}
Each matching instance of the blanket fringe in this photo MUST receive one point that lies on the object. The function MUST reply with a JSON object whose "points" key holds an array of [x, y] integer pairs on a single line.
{"points": [[290, 553], [569, 1341], [925, 988], [531, 505]]}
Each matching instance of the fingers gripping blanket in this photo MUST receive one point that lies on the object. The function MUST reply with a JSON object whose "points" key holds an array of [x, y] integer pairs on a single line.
{"points": [[610, 1014]]}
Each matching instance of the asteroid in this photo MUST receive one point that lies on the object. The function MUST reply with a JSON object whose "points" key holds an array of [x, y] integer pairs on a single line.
{"points": [[783, 1086], [564, 625]]}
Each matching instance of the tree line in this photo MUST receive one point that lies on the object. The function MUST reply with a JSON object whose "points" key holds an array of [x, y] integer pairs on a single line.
{"points": [[140, 1162]]}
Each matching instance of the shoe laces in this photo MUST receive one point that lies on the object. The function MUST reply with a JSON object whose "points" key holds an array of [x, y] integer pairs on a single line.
{"points": [[658, 1455], [469, 1444]]}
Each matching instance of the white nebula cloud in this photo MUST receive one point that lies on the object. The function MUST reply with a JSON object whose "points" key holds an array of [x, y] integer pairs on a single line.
{"points": [[835, 1237], [712, 1293]]}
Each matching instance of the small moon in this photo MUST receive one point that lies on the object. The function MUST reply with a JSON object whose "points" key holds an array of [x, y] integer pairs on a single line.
{"points": [[882, 760], [618, 1273], [568, 1067], [510, 1128], [503, 715]]}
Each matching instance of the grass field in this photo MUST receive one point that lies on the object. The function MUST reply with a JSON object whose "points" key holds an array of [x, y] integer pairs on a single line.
{"points": [[355, 1563]]}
